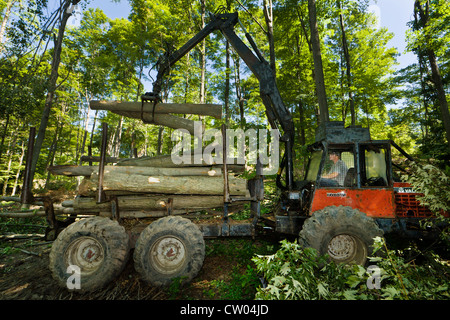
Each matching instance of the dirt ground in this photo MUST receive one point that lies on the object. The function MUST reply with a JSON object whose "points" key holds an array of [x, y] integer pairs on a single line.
{"points": [[24, 275]]}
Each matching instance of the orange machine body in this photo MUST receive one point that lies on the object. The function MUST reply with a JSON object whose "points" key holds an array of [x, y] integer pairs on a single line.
{"points": [[397, 202]]}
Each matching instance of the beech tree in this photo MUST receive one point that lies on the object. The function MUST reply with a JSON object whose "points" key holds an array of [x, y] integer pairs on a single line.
{"points": [[49, 72], [64, 14], [431, 20], [317, 57]]}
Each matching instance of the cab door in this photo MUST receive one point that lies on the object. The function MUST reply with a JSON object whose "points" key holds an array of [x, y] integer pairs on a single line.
{"points": [[368, 187]]}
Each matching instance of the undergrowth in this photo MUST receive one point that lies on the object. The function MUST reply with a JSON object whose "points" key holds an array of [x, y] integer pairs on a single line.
{"points": [[298, 273]]}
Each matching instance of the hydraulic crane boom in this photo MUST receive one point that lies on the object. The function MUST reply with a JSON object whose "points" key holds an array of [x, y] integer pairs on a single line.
{"points": [[277, 114]]}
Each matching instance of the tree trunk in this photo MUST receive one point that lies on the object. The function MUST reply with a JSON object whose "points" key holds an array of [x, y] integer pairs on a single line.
{"points": [[443, 104], [192, 185], [5, 132], [227, 83], [117, 139], [51, 86], [86, 171], [97, 159], [347, 64], [148, 202], [188, 71], [301, 132], [308, 40], [203, 54], [166, 120], [227, 75], [5, 21], [9, 155], [52, 152], [318, 68], [86, 123], [92, 131], [165, 161], [212, 110], [436, 75], [268, 16], [240, 98], [422, 71], [301, 107], [16, 181], [160, 140]]}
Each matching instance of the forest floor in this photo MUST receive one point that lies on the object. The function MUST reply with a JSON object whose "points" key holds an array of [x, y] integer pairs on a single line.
{"points": [[25, 275], [227, 272]]}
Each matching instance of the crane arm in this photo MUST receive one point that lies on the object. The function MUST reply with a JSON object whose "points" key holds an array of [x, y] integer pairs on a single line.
{"points": [[277, 113]]}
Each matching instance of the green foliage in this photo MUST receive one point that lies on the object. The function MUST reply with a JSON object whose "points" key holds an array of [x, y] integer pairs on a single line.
{"points": [[114, 59], [433, 184], [240, 280], [294, 272], [429, 36], [435, 33], [433, 187], [241, 285], [25, 225], [14, 226]]}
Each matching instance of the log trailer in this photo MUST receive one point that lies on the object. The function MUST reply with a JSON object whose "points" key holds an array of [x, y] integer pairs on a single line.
{"points": [[340, 219]]}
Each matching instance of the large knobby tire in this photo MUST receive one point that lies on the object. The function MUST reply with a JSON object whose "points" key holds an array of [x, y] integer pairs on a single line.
{"points": [[346, 235], [169, 248], [97, 247]]}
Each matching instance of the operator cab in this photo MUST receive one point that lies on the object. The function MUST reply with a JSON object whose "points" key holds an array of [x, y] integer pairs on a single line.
{"points": [[342, 158], [348, 158], [350, 165]]}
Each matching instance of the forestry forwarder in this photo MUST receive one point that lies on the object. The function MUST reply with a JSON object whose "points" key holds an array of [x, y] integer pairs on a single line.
{"points": [[347, 198], [336, 213]]}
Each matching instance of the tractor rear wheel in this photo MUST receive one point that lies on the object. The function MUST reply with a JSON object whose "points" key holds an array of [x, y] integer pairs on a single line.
{"points": [[97, 247], [346, 235], [169, 248]]}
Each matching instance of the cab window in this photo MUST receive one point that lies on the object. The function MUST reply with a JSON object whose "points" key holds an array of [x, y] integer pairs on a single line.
{"points": [[339, 168], [314, 165], [374, 166]]}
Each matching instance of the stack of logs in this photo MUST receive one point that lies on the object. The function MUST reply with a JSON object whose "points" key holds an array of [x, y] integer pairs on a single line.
{"points": [[149, 186], [144, 185]]}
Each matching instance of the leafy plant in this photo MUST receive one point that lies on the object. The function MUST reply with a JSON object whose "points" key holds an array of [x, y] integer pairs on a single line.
{"points": [[175, 287], [241, 286], [433, 185], [294, 272]]}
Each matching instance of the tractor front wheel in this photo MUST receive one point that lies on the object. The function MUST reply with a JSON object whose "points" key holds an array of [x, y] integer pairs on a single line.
{"points": [[346, 235]]}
